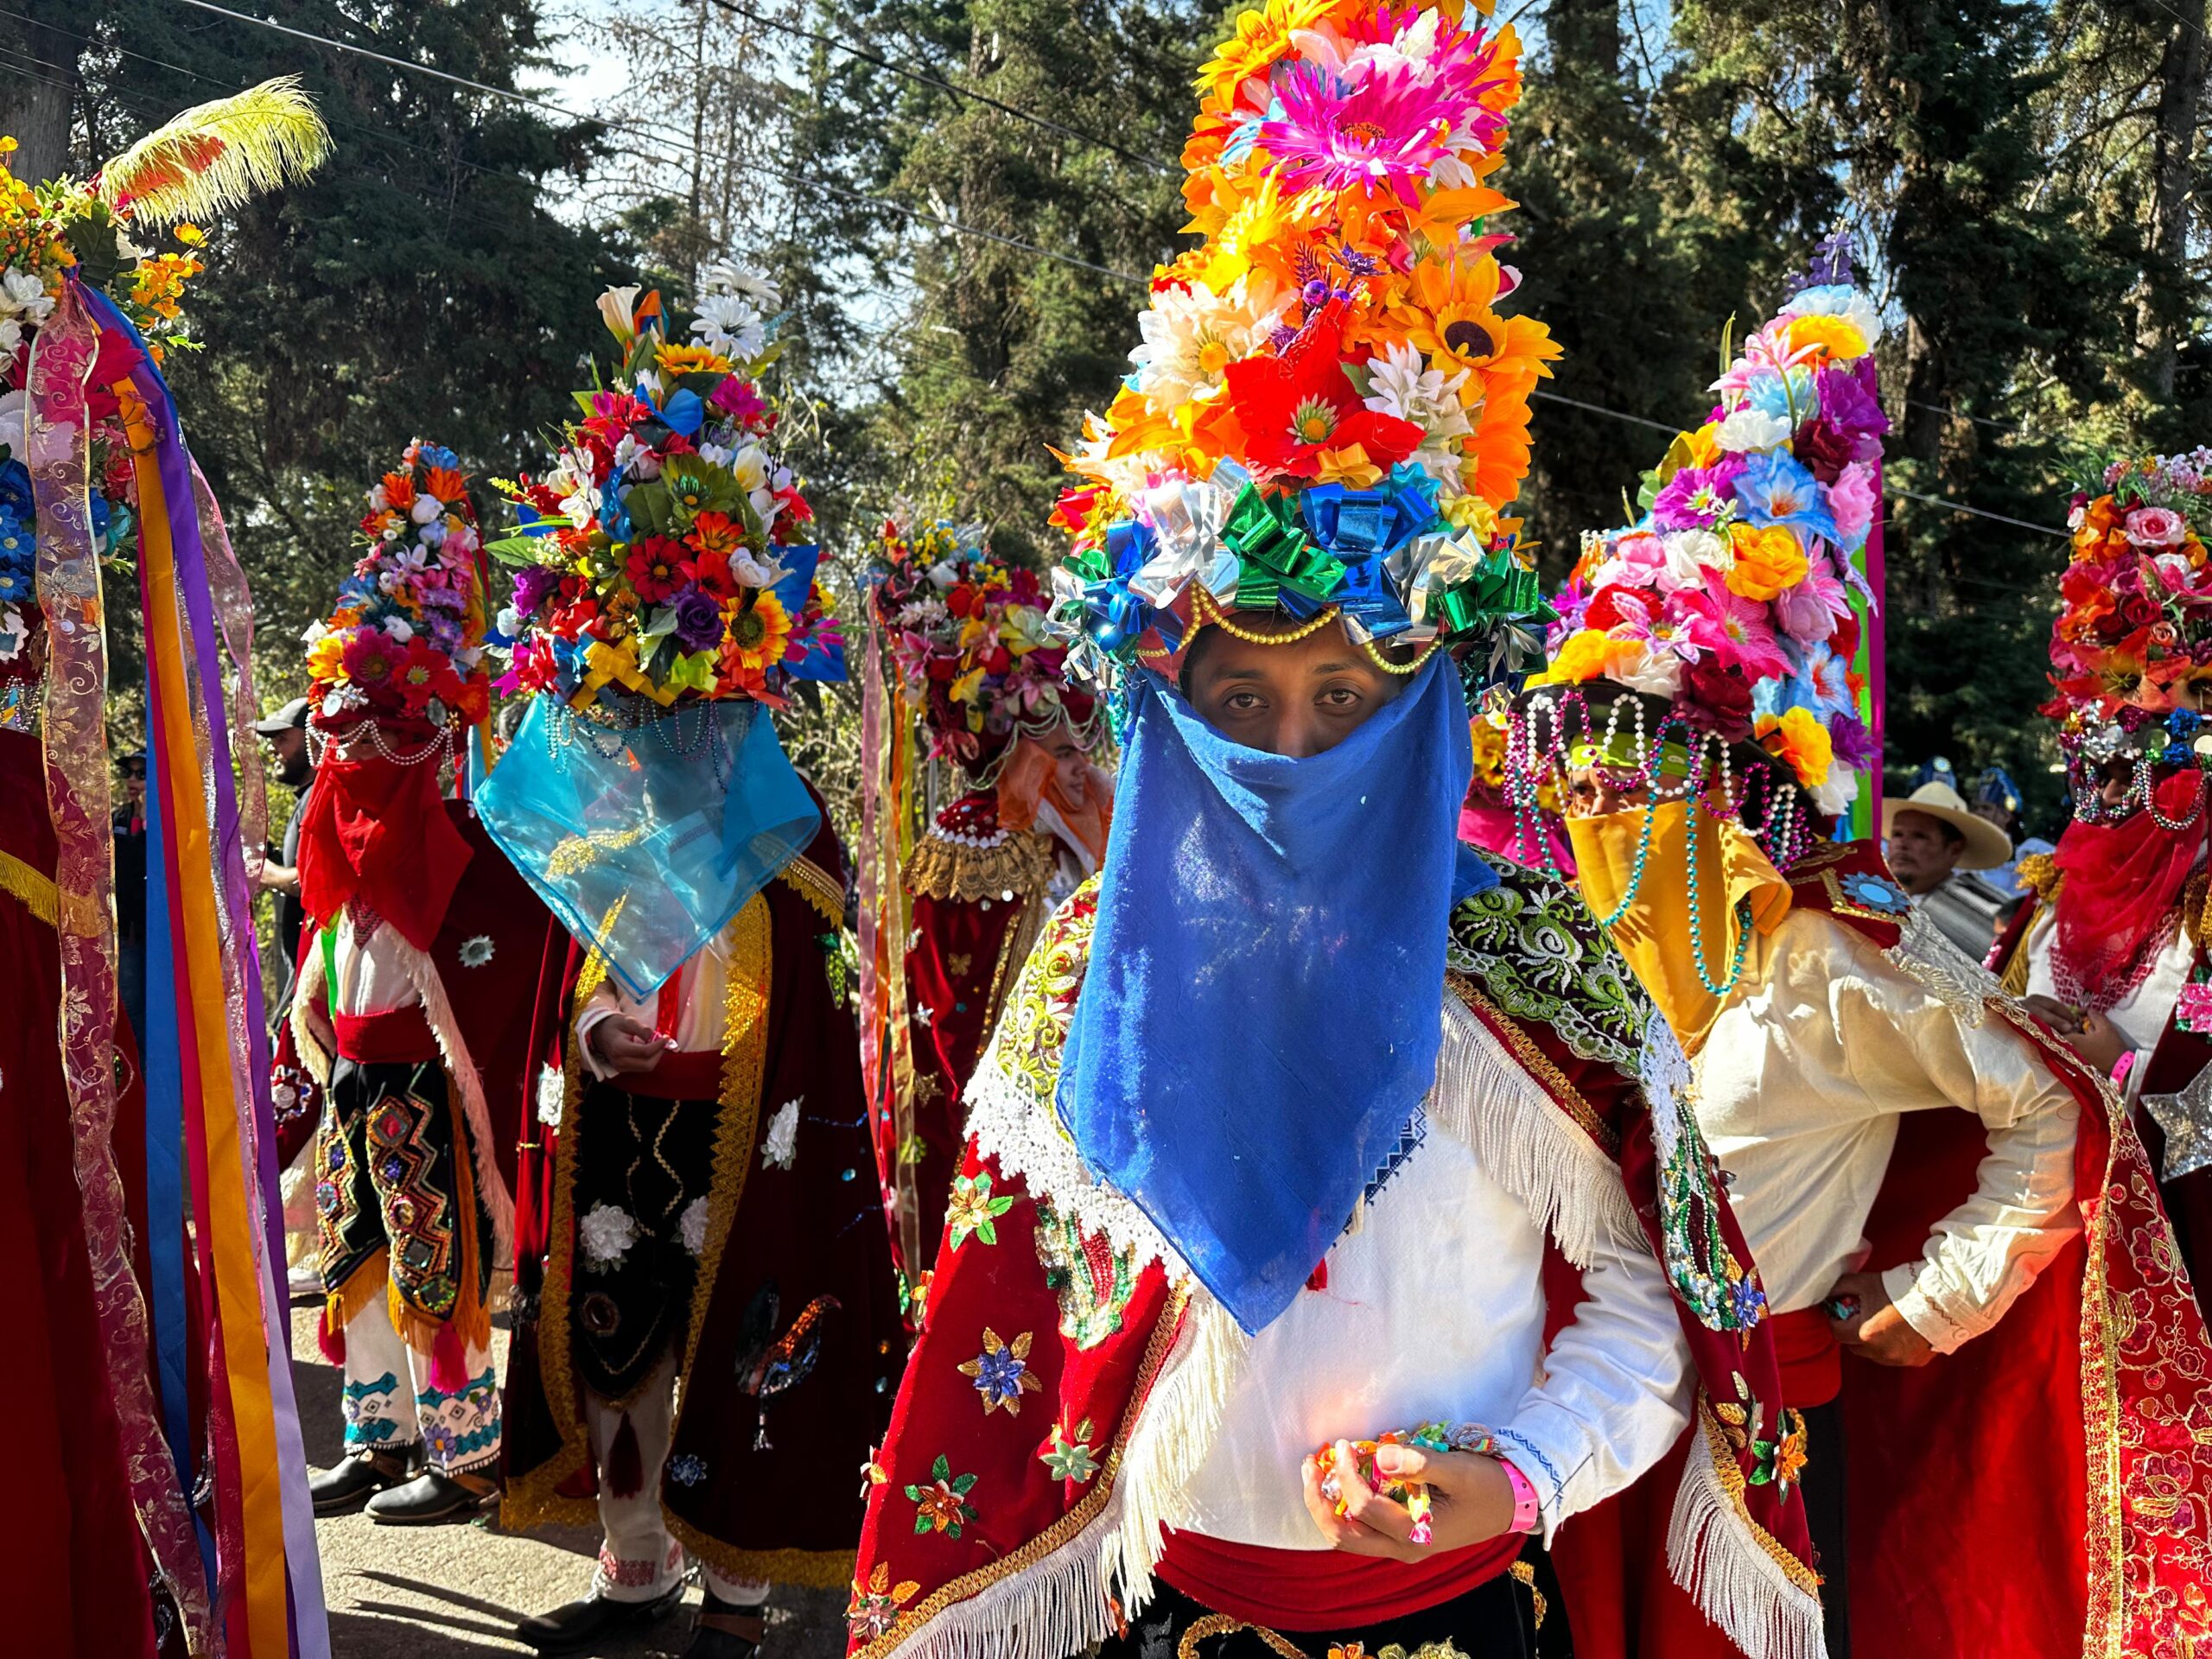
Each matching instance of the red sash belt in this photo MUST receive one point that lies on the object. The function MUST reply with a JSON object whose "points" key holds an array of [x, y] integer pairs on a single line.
{"points": [[1812, 1360], [397, 1037], [1324, 1589], [682, 1074]]}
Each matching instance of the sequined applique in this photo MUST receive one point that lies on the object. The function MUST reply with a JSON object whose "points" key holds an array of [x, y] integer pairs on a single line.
{"points": [[1002, 1372], [1070, 1456], [418, 1216], [1713, 1282], [973, 1209], [941, 1502], [1093, 1280], [687, 1469], [1537, 952], [1034, 1032], [874, 1606]]}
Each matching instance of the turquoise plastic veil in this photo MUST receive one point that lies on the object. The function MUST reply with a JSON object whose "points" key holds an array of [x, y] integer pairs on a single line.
{"points": [[646, 837]]}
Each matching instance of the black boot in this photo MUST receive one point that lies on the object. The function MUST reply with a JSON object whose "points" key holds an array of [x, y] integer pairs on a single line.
{"points": [[726, 1631], [581, 1624], [354, 1482], [431, 1497]]}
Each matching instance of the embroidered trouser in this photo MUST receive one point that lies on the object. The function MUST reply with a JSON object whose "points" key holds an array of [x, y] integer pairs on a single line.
{"points": [[638, 1559], [391, 1403]]}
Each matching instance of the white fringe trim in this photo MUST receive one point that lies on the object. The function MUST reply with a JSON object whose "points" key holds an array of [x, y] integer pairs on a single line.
{"points": [[1009, 1122], [1170, 1442], [1733, 1580], [423, 973], [1054, 1607], [1485, 1099]]}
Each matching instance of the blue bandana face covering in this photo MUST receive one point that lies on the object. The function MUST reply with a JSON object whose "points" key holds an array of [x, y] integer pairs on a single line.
{"points": [[1263, 1005]]}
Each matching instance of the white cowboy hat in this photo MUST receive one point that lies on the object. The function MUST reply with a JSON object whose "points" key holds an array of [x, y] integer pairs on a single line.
{"points": [[1988, 846]]}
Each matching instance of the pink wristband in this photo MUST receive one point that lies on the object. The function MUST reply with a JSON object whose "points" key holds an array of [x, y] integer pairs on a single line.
{"points": [[1525, 1514]]}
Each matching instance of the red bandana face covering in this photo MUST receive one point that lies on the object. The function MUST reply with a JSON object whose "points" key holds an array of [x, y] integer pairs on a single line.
{"points": [[376, 831], [2123, 886]]}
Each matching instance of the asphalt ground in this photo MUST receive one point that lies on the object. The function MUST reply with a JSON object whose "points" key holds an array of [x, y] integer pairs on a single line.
{"points": [[455, 1592]]}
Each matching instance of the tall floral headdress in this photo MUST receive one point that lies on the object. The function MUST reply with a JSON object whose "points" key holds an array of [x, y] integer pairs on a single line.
{"points": [[1329, 411], [205, 160], [664, 557], [406, 639], [2131, 652], [1712, 641], [969, 634]]}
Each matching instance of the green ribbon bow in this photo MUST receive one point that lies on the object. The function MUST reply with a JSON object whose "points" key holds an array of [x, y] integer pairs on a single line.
{"points": [[1498, 590], [1273, 552]]}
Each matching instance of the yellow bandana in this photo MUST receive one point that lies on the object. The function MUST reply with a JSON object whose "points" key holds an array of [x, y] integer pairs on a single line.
{"points": [[1654, 933]]}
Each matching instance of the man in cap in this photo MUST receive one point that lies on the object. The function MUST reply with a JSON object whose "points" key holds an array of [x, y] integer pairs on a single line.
{"points": [[1934, 840], [285, 732]]}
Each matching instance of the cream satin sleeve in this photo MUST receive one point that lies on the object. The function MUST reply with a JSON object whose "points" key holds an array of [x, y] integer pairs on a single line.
{"points": [[1911, 1049]]}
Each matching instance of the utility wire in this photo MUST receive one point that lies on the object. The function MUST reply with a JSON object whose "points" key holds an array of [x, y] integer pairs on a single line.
{"points": [[666, 136]]}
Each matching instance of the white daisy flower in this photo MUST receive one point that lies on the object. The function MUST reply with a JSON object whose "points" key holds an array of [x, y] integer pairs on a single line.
{"points": [[780, 1146], [607, 1235]]}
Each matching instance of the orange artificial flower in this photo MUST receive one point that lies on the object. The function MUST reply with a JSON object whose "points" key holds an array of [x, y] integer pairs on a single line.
{"points": [[1769, 561]]}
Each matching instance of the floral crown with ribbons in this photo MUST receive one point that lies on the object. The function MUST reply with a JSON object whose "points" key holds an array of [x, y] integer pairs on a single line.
{"points": [[969, 635], [1727, 619], [405, 642], [665, 557], [2131, 652], [207, 160], [1328, 413]]}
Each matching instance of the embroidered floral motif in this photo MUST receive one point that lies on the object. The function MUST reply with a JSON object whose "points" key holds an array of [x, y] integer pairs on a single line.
{"points": [[692, 1226], [1069, 1457], [1034, 1032], [1002, 1372], [460, 1427], [687, 1469], [1724, 1293], [875, 1606], [606, 1234], [973, 1209], [1093, 1280], [1537, 952], [475, 952], [780, 1146], [552, 1094], [941, 1502]]}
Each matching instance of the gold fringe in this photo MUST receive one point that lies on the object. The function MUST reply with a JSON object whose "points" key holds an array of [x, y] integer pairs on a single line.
{"points": [[344, 1305], [816, 885], [2015, 977], [2039, 872], [1020, 866], [808, 1569], [46, 901]]}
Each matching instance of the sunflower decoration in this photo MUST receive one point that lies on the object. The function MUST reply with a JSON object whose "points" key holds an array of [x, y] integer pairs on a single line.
{"points": [[1329, 410], [405, 639], [665, 556]]}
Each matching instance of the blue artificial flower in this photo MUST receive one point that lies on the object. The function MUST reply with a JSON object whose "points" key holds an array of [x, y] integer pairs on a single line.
{"points": [[437, 455], [1775, 488], [1795, 401], [15, 490], [14, 585]]}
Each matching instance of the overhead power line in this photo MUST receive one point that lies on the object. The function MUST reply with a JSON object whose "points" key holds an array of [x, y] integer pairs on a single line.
{"points": [[664, 135]]}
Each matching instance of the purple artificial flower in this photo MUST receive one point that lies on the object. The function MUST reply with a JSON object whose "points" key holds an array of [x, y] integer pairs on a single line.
{"points": [[532, 583], [1692, 500], [1847, 402], [1831, 264], [698, 620], [1853, 743]]}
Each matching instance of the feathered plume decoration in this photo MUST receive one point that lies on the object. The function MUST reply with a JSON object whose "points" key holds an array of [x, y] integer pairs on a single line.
{"points": [[216, 156]]}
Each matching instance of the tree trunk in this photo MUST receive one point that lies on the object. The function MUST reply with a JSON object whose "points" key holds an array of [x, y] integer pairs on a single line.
{"points": [[2162, 309], [35, 103]]}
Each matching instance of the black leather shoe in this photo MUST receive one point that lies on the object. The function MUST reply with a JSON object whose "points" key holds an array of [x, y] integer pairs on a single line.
{"points": [[581, 1624], [431, 1497], [724, 1632], [354, 1482]]}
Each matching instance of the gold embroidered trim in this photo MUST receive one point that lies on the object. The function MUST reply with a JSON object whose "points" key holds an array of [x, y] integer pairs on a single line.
{"points": [[1819, 856], [809, 1569], [1020, 939], [1020, 865], [45, 901], [816, 885], [1731, 1476], [2192, 908], [533, 1497], [1164, 1333], [1537, 1063], [1213, 1625]]}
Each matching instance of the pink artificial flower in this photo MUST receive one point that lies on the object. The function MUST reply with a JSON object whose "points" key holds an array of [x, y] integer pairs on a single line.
{"points": [[1642, 557], [1385, 132], [1657, 625], [1852, 501], [1746, 637], [1809, 611], [2156, 527]]}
